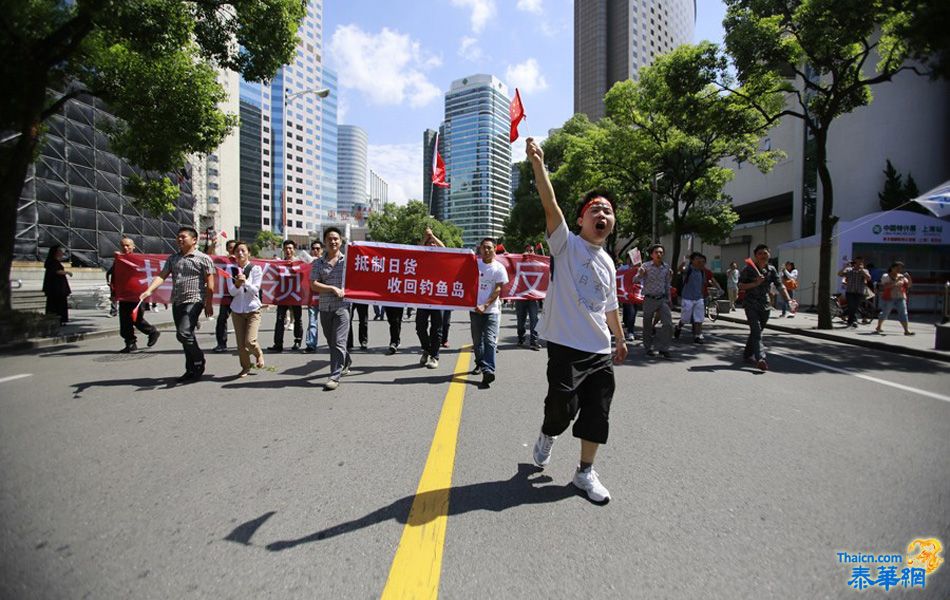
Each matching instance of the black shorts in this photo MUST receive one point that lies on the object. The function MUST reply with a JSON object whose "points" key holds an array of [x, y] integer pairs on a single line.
{"points": [[581, 385]]}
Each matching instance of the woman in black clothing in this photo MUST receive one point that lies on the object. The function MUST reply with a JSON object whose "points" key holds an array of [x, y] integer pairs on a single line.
{"points": [[55, 285]]}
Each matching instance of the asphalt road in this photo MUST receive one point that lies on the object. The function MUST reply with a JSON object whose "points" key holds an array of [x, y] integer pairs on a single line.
{"points": [[726, 482]]}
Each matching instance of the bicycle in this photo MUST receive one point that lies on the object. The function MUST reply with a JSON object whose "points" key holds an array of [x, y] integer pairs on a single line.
{"points": [[713, 295]]}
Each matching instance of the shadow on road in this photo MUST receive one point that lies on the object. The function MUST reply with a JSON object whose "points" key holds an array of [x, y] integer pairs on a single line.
{"points": [[494, 496]]}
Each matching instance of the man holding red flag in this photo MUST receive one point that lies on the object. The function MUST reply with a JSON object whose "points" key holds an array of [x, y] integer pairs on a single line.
{"points": [[581, 312], [755, 279], [131, 319]]}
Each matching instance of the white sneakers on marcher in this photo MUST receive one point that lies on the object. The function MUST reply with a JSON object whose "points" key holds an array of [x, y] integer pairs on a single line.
{"points": [[542, 449], [588, 481]]}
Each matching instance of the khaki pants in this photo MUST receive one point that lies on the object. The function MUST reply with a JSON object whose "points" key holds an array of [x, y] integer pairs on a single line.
{"points": [[245, 330]]}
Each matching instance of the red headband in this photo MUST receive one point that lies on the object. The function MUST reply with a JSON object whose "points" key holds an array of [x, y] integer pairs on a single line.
{"points": [[592, 201]]}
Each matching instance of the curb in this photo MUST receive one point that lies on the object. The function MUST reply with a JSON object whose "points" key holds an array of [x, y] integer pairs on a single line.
{"points": [[62, 340], [931, 354]]}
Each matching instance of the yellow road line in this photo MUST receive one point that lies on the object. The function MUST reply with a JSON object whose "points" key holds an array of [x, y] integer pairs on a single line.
{"points": [[417, 565]]}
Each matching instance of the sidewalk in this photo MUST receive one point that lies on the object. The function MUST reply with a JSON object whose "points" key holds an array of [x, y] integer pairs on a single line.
{"points": [[892, 340]]}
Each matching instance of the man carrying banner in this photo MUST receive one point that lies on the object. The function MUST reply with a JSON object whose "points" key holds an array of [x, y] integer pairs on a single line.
{"points": [[128, 325], [316, 251], [487, 314], [429, 320], [296, 311], [527, 310], [326, 278], [581, 312], [192, 285]]}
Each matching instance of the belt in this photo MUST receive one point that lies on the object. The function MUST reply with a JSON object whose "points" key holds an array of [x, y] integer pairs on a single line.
{"points": [[655, 296]]}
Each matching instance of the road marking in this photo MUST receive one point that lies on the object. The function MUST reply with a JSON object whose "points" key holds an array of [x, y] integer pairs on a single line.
{"points": [[905, 388], [892, 384], [417, 565], [13, 377]]}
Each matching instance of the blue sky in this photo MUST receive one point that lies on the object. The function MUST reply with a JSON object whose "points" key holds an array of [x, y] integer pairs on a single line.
{"points": [[396, 60]]}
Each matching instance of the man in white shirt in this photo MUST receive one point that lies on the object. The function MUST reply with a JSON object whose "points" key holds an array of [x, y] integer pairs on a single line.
{"points": [[580, 313], [484, 319]]}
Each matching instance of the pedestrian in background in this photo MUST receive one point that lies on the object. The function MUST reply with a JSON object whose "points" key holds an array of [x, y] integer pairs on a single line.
{"points": [[856, 279], [755, 280], [127, 326], [313, 312], [192, 275], [429, 320], [655, 277], [894, 285], [224, 309], [790, 281], [487, 314], [56, 284], [696, 281], [526, 312], [732, 284], [326, 278], [289, 249], [244, 286]]}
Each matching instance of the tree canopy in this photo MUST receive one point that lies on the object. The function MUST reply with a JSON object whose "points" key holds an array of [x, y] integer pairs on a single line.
{"points": [[407, 224]]}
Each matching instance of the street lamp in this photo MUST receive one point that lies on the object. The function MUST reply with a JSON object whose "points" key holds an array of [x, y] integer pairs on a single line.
{"points": [[288, 98], [656, 233]]}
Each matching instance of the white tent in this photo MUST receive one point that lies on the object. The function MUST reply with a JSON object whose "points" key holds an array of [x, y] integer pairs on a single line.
{"points": [[937, 200]]}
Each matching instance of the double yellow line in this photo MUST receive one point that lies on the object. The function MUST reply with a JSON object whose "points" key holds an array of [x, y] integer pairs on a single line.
{"points": [[417, 565]]}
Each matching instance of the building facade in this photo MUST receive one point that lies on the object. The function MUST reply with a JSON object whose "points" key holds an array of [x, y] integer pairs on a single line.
{"points": [[432, 196], [614, 38], [352, 171], [378, 192], [329, 157], [477, 157]]}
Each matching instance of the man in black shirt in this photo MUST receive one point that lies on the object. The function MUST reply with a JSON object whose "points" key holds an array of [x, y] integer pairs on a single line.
{"points": [[755, 280]]}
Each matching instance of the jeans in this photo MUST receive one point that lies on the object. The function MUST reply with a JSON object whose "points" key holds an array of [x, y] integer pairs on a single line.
{"points": [[295, 312], [336, 324], [127, 327], [377, 312], [484, 339], [629, 317], [431, 340], [186, 319], [221, 327], [757, 318], [446, 322], [394, 316], [312, 317], [362, 312], [527, 310]]}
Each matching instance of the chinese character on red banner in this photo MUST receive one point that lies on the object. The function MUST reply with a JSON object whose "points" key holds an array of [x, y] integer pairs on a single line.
{"points": [[421, 276], [528, 276]]}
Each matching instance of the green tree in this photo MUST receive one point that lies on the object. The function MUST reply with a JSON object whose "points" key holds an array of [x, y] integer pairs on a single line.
{"points": [[820, 54], [897, 194], [525, 223], [678, 125], [407, 224], [267, 243], [151, 61]]}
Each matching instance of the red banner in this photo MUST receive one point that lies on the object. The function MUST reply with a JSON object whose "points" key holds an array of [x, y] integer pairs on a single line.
{"points": [[628, 292], [284, 282], [528, 276], [420, 276]]}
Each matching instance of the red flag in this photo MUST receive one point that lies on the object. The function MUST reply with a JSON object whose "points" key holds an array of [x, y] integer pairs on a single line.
{"points": [[438, 166], [751, 263], [516, 112], [224, 234], [135, 312]]}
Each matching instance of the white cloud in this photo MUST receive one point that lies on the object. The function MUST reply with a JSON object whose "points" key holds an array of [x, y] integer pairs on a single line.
{"points": [[518, 153], [470, 50], [526, 77], [553, 29], [532, 6], [401, 166], [387, 67], [482, 11]]}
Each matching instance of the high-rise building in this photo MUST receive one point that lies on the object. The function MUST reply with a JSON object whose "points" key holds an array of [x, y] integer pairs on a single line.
{"points": [[614, 38], [352, 171], [378, 192], [515, 180], [432, 196], [477, 156], [330, 155], [254, 187]]}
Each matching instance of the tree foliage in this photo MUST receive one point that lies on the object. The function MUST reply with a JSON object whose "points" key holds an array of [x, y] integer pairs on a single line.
{"points": [[825, 55], [152, 62], [896, 193], [266, 243], [407, 224]]}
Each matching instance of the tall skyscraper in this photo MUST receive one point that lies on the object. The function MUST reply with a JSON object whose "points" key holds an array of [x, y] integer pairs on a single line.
{"points": [[432, 196], [352, 171], [477, 156], [378, 192], [254, 186], [614, 38]]}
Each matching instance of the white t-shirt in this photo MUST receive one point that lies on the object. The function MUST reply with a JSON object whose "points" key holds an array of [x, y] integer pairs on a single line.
{"points": [[583, 288], [490, 275]]}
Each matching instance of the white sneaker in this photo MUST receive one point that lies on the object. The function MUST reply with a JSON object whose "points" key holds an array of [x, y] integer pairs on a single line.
{"points": [[432, 363], [589, 483], [331, 385], [542, 449]]}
